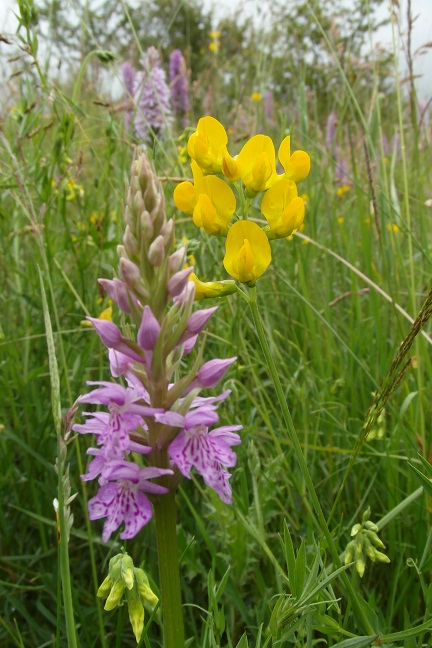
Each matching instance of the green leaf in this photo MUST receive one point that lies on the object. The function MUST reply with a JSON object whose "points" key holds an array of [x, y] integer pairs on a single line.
{"points": [[300, 570], [405, 634], [369, 613], [289, 557], [243, 643], [425, 481], [356, 642]]}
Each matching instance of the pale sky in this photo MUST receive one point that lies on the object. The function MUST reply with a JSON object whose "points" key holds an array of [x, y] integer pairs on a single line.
{"points": [[421, 34]]}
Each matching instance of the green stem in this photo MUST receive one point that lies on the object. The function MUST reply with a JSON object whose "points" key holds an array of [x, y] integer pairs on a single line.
{"points": [[359, 612], [165, 513], [64, 555]]}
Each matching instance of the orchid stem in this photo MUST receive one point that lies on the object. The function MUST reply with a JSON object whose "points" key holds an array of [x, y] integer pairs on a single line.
{"points": [[165, 513]]}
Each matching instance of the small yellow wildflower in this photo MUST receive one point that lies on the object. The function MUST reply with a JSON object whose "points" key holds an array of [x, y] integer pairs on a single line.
{"points": [[392, 227], [256, 97], [106, 314], [96, 218], [73, 190], [340, 220], [191, 260], [248, 252], [214, 45], [182, 154], [343, 189]]}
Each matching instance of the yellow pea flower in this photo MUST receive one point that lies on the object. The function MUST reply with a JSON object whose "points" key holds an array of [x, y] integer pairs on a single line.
{"points": [[256, 164], [256, 97], [248, 252], [210, 201], [340, 191], [297, 165], [208, 145], [283, 208]]}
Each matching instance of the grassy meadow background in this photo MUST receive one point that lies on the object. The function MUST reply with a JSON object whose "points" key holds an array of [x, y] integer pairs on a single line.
{"points": [[336, 303]]}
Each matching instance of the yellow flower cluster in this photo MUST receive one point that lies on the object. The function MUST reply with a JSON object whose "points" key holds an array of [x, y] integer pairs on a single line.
{"points": [[211, 201], [214, 45]]}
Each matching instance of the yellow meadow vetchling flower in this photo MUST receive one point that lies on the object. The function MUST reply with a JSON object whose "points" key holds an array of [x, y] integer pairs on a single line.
{"points": [[208, 145], [255, 164], [256, 97], [248, 252], [210, 201], [297, 165], [343, 189], [283, 208]]}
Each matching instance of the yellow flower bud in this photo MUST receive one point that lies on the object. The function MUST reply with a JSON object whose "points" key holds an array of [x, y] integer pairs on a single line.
{"points": [[207, 289], [349, 552], [115, 595], [145, 591], [127, 571], [248, 252], [360, 566], [380, 557], [136, 614], [105, 587]]}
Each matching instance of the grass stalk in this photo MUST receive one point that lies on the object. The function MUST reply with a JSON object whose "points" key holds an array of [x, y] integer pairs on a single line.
{"points": [[357, 607]]}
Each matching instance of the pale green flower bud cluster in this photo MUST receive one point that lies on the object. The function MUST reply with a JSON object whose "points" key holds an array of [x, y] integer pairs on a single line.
{"points": [[378, 430], [146, 263], [366, 543], [128, 584]]}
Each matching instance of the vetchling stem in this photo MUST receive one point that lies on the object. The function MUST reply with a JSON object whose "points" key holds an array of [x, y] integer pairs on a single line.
{"points": [[359, 613], [165, 515]]}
